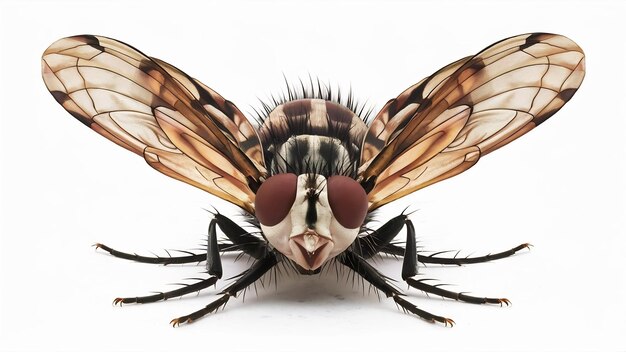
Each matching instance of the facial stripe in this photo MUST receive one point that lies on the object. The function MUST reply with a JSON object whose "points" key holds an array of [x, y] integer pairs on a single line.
{"points": [[311, 212], [327, 152], [310, 234]]}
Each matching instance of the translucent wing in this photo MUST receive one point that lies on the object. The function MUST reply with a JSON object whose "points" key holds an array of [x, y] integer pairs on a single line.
{"points": [[397, 113], [181, 127], [223, 112], [443, 125]]}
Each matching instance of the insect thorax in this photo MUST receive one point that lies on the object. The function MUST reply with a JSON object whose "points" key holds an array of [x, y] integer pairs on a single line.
{"points": [[312, 136]]}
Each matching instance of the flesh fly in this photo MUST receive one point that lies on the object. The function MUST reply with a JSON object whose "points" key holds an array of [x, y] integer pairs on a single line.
{"points": [[311, 171]]}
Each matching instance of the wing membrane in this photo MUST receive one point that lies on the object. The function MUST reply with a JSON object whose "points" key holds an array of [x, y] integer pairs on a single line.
{"points": [[224, 113], [507, 89], [181, 127], [397, 113]]}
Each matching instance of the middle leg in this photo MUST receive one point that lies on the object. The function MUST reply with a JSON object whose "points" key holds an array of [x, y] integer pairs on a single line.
{"points": [[240, 240], [214, 268], [379, 241], [409, 270]]}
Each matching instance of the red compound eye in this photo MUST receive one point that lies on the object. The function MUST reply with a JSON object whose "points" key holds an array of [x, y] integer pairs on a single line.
{"points": [[275, 198], [347, 200]]}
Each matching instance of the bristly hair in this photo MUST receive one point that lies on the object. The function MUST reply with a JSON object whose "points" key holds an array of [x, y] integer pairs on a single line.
{"points": [[313, 89], [299, 163]]}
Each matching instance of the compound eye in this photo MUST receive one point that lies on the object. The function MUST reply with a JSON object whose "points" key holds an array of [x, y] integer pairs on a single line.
{"points": [[275, 198], [348, 200]]}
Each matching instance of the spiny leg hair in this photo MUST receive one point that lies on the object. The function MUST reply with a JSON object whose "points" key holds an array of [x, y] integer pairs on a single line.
{"points": [[378, 280], [409, 270], [214, 268], [248, 277], [240, 240]]}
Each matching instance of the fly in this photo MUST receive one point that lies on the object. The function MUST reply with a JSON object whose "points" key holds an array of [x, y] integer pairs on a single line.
{"points": [[312, 173]]}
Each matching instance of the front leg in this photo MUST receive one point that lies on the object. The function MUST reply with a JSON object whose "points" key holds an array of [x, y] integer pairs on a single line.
{"points": [[378, 280]]}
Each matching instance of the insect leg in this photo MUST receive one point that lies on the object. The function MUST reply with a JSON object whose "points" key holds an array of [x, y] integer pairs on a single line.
{"points": [[409, 264], [213, 261], [378, 240], [248, 277], [374, 277], [459, 296], [213, 265], [241, 239], [190, 258], [409, 269], [393, 250], [169, 294], [433, 259]]}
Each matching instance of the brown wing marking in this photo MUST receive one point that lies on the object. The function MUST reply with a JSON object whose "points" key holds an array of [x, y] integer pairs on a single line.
{"points": [[228, 117], [179, 166], [441, 167], [202, 152], [510, 87], [115, 89], [394, 116]]}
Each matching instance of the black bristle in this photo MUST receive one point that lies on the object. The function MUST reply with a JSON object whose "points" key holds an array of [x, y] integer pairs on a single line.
{"points": [[315, 90]]}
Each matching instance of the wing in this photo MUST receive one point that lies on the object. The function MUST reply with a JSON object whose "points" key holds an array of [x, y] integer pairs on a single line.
{"points": [[397, 113], [441, 126], [181, 127]]}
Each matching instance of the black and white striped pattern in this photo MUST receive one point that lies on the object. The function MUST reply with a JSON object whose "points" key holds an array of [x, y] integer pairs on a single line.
{"points": [[312, 136]]}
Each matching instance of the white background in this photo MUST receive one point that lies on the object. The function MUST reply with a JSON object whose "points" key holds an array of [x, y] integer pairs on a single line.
{"points": [[63, 187]]}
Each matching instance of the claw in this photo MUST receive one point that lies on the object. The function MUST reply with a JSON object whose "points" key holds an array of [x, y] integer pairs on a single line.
{"points": [[121, 301], [448, 321], [182, 320], [445, 321], [505, 301]]}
